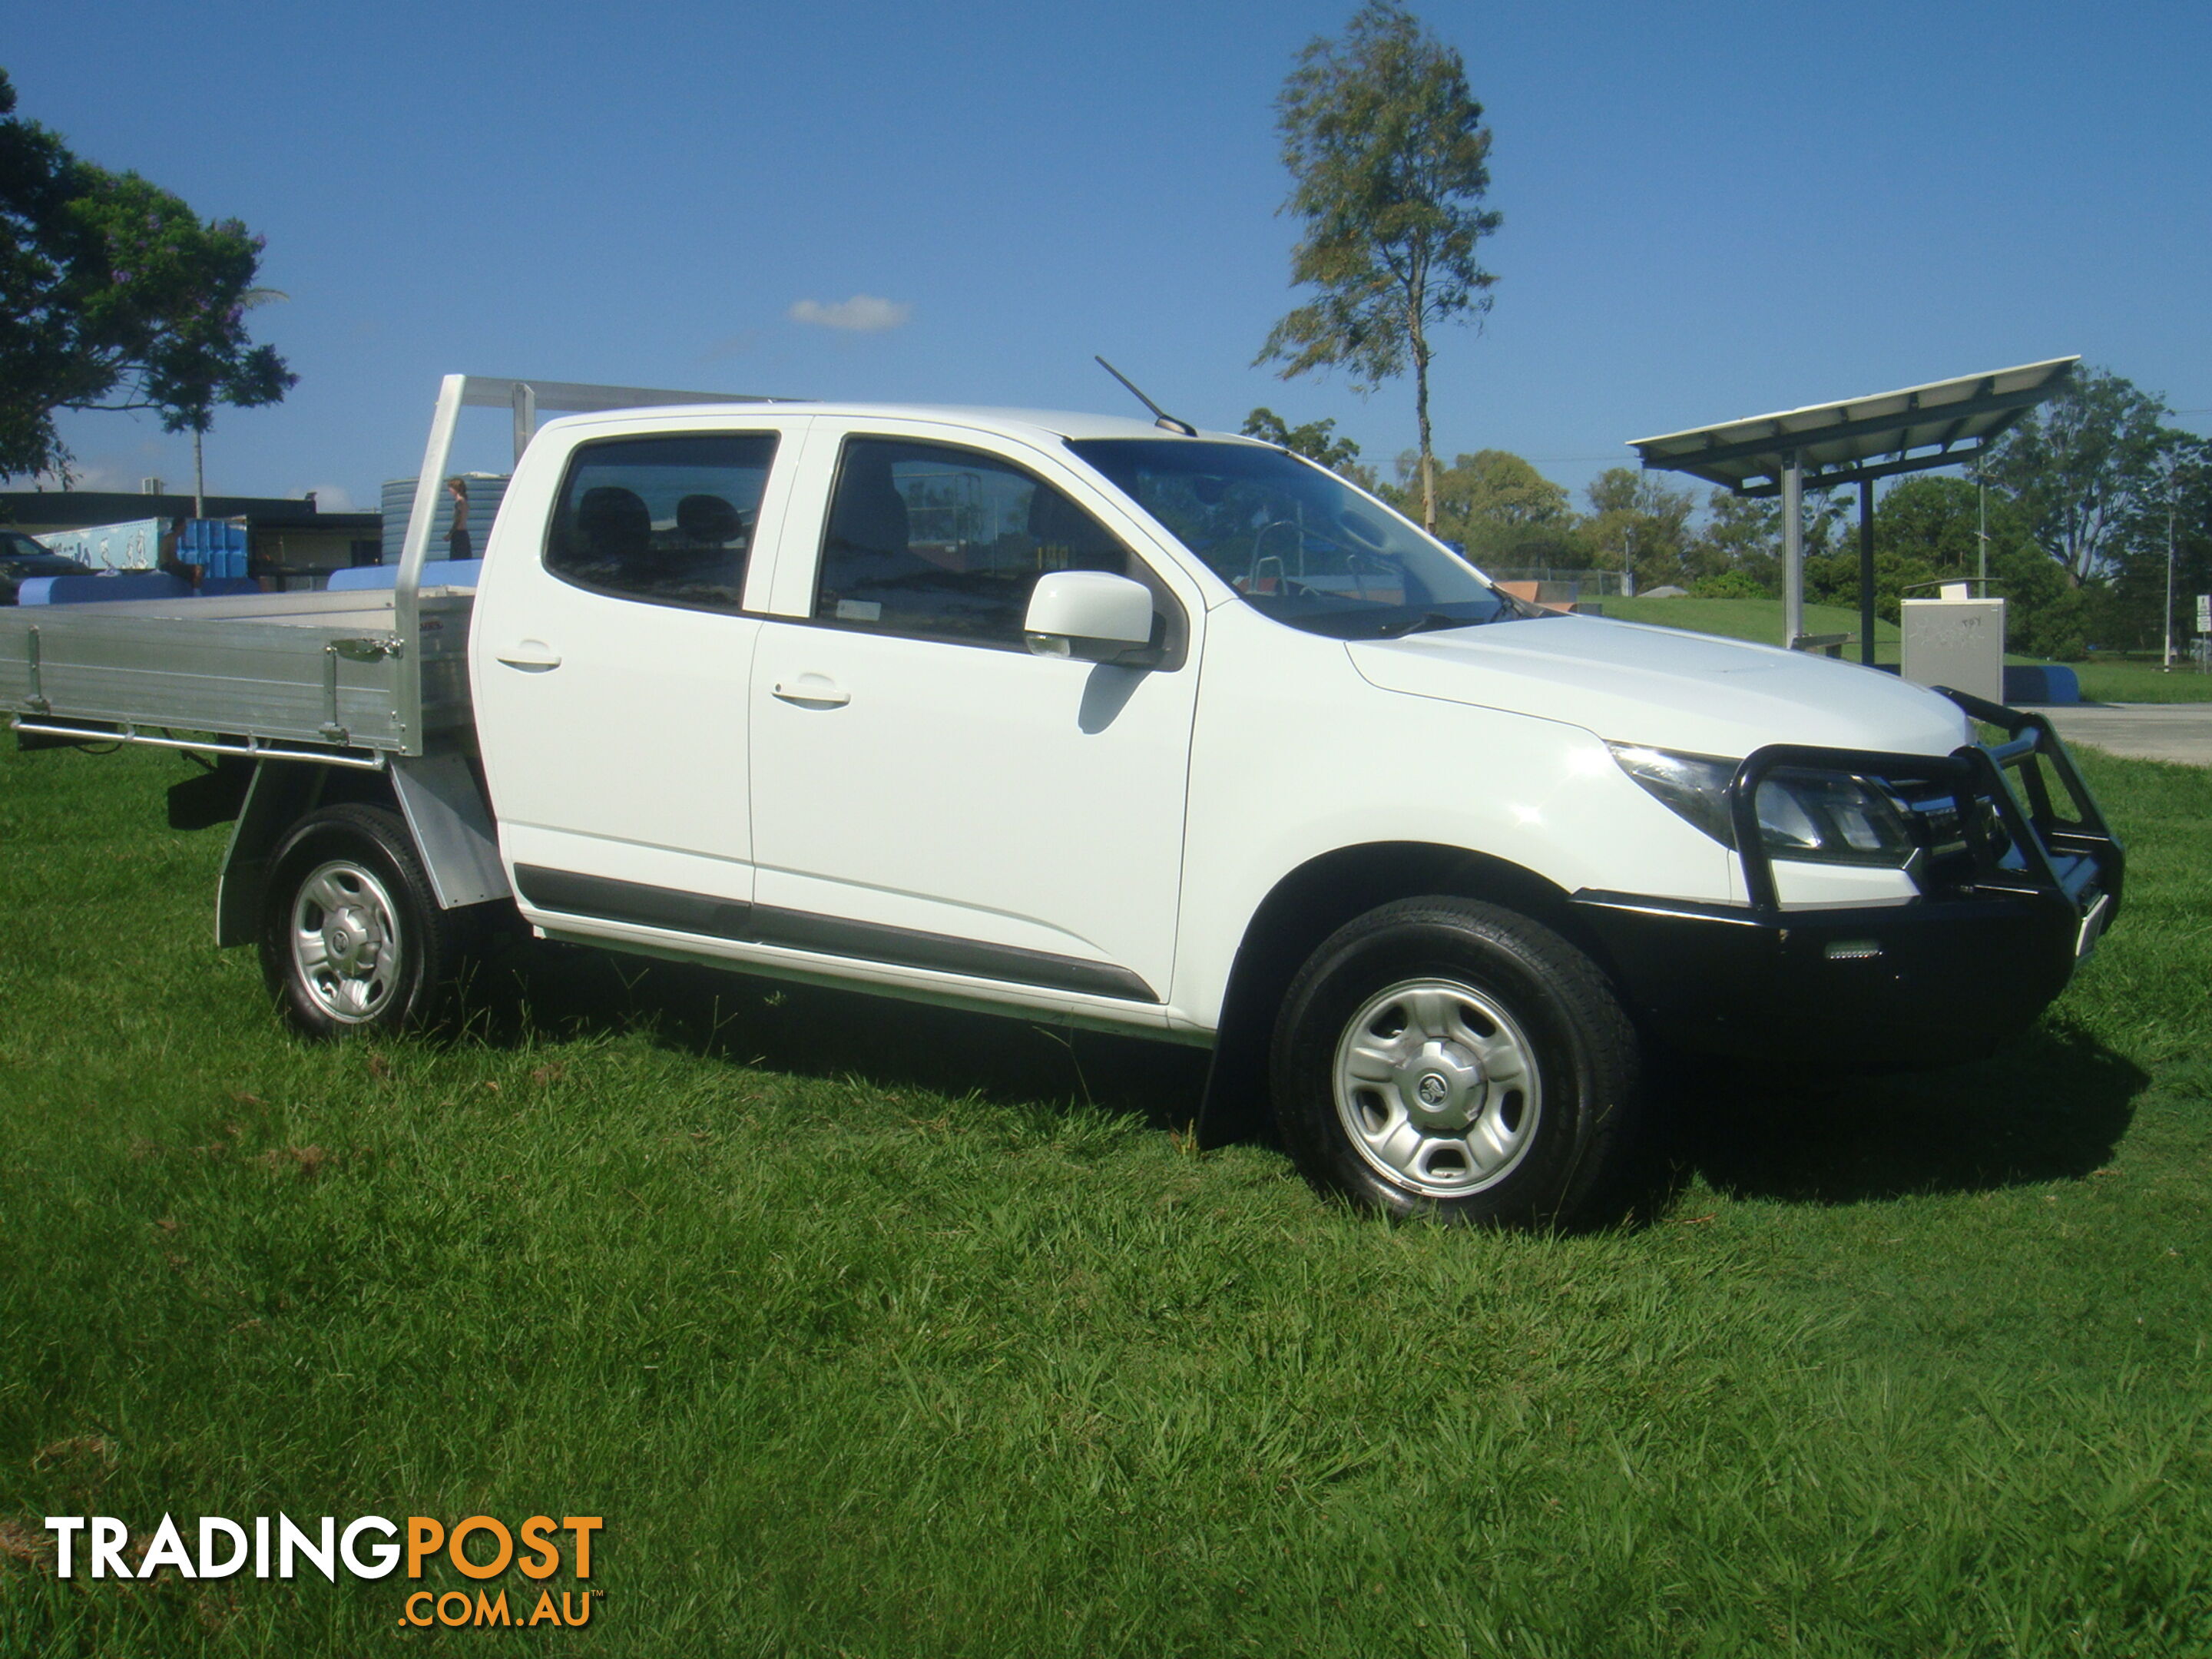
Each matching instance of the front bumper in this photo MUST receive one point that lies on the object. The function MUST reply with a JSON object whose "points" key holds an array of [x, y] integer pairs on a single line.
{"points": [[2000, 921]]}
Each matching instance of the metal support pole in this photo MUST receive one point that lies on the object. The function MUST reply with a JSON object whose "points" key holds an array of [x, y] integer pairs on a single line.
{"points": [[1866, 571], [1793, 550], [414, 553], [1981, 523], [526, 418], [2166, 662]]}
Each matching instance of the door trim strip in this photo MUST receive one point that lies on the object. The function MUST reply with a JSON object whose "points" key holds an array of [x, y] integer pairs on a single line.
{"points": [[607, 899]]}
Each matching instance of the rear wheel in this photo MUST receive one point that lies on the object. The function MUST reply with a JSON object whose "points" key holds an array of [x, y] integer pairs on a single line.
{"points": [[352, 938], [1448, 1057]]}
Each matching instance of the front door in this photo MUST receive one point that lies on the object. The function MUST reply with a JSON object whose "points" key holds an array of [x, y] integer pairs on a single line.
{"points": [[926, 790]]}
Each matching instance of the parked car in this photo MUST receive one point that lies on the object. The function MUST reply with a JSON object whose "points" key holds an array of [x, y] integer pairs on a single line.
{"points": [[1081, 718], [21, 558]]}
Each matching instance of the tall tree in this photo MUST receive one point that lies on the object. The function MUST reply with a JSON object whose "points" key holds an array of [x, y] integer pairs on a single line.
{"points": [[1938, 525], [2083, 465], [2174, 515], [114, 294], [1317, 440], [1497, 506], [1389, 163], [1638, 522]]}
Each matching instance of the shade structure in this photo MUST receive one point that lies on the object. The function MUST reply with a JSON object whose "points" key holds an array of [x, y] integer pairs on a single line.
{"points": [[1853, 440], [1840, 442]]}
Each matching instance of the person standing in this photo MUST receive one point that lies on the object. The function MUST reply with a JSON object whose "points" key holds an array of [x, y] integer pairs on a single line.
{"points": [[458, 543]]}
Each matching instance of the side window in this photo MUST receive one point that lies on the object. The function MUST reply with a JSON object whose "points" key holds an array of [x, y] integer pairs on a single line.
{"points": [[940, 543], [665, 519]]}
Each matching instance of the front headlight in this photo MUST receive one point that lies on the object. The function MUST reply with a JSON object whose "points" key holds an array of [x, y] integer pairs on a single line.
{"points": [[1809, 817], [1695, 786]]}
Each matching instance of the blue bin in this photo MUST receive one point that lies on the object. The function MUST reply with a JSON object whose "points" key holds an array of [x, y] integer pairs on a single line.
{"points": [[219, 548], [2053, 684]]}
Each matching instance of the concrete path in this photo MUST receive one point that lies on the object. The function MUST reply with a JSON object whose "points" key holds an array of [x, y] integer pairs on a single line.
{"points": [[2145, 731]]}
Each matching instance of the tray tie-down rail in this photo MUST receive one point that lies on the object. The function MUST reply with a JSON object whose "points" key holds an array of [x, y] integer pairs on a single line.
{"points": [[72, 734], [1975, 835]]}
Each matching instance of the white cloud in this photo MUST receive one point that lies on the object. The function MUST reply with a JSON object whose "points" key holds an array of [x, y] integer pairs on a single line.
{"points": [[864, 314], [330, 498]]}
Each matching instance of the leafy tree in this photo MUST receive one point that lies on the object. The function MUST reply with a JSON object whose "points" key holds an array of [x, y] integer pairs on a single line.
{"points": [[1499, 507], [1927, 529], [1317, 440], [115, 294], [1738, 554], [2083, 465], [1389, 164], [1637, 521], [2134, 612], [1833, 578]]}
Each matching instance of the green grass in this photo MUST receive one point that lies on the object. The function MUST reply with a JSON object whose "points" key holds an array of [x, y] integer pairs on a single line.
{"points": [[2142, 681], [1759, 620], [872, 1330], [2103, 679]]}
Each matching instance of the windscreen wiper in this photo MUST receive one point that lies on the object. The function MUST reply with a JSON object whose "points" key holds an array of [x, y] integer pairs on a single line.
{"points": [[1429, 622]]}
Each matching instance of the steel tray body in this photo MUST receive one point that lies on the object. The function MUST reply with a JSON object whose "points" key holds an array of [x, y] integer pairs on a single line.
{"points": [[313, 668]]}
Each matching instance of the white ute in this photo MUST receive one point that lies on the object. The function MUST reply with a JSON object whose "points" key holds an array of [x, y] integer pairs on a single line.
{"points": [[1090, 719]]}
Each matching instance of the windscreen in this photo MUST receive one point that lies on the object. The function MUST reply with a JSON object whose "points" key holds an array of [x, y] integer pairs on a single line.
{"points": [[1295, 541]]}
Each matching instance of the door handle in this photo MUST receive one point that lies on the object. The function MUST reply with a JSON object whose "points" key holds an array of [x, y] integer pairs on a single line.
{"points": [[811, 692], [531, 656]]}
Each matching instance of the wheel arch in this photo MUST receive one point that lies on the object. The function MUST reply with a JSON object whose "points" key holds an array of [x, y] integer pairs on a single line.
{"points": [[1312, 902], [439, 797], [280, 794]]}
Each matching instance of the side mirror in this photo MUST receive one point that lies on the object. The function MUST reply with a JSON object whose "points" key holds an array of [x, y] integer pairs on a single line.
{"points": [[1090, 614]]}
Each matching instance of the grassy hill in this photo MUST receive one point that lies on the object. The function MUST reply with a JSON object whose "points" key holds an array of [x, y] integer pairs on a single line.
{"points": [[1750, 619], [2102, 681]]}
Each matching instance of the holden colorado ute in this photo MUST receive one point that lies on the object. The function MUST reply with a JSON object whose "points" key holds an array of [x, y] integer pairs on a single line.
{"points": [[1106, 723]]}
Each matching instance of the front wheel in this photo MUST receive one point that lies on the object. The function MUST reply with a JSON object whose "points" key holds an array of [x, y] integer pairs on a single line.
{"points": [[352, 938], [1448, 1057]]}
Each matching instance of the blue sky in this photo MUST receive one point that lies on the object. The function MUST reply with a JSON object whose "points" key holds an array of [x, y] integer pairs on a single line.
{"points": [[1711, 209]]}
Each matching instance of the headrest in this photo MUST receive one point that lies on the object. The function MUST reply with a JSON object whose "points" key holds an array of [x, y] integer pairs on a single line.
{"points": [[614, 521], [708, 520], [870, 513]]}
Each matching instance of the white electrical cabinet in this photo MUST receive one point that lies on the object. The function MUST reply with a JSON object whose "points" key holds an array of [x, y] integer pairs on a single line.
{"points": [[1955, 642]]}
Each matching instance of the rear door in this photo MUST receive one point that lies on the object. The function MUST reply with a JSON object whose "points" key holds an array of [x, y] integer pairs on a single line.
{"points": [[611, 660], [927, 791]]}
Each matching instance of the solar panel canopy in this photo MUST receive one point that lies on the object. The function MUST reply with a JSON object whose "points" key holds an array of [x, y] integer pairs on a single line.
{"points": [[1855, 438]]}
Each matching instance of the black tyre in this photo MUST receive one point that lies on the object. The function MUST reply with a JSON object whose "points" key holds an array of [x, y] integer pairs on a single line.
{"points": [[352, 938], [1445, 1057]]}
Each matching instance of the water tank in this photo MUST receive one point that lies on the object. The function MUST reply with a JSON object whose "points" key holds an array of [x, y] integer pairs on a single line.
{"points": [[486, 491]]}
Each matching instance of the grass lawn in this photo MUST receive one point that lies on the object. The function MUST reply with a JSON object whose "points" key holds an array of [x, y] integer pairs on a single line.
{"points": [[2103, 679], [1759, 620], [2142, 681], [872, 1330]]}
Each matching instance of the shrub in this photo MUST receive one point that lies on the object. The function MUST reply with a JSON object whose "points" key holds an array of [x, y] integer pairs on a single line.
{"points": [[1728, 584]]}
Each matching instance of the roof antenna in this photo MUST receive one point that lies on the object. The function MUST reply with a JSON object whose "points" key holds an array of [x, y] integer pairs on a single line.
{"points": [[1162, 418]]}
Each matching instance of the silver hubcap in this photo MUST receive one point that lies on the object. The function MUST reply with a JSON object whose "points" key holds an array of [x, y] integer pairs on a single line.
{"points": [[345, 941], [1437, 1087]]}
